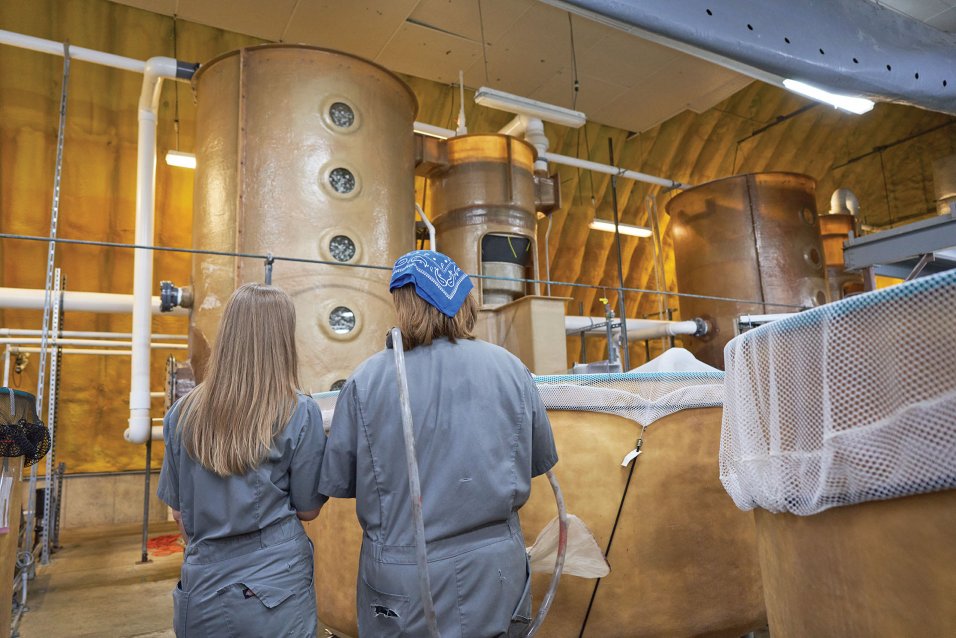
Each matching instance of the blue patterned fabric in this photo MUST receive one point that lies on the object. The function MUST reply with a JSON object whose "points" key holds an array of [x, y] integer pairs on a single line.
{"points": [[437, 279]]}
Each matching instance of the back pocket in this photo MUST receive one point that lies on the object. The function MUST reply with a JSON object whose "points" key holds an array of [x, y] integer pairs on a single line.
{"points": [[253, 609], [180, 603]]}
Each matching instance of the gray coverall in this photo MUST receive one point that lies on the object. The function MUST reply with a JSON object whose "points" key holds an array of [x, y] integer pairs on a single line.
{"points": [[247, 570], [481, 433]]}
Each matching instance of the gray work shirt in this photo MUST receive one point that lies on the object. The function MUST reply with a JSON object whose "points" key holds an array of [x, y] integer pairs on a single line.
{"points": [[481, 434], [214, 507]]}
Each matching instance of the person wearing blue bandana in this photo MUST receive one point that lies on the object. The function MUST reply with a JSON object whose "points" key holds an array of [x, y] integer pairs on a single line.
{"points": [[481, 434]]}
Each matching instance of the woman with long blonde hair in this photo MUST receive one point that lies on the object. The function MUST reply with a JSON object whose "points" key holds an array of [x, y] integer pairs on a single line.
{"points": [[240, 472], [481, 433]]}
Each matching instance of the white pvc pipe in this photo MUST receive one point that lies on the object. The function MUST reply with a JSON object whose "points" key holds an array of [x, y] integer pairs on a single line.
{"points": [[88, 351], [106, 302], [76, 53], [745, 319], [433, 131], [637, 329], [432, 244], [612, 170], [83, 334], [156, 69], [6, 366], [89, 342]]}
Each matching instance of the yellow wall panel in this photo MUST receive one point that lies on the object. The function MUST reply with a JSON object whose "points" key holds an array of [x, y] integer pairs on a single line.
{"points": [[884, 156]]}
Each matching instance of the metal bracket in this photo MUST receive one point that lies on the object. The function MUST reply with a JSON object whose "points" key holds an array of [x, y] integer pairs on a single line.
{"points": [[269, 261]]}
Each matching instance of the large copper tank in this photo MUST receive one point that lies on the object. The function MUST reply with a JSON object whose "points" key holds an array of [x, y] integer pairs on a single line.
{"points": [[303, 152], [482, 202], [684, 558], [752, 237]]}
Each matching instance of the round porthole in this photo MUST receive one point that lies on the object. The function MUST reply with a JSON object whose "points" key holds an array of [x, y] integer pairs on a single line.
{"points": [[342, 248], [808, 216], [812, 256], [821, 298], [341, 115], [342, 320], [342, 180], [336, 386]]}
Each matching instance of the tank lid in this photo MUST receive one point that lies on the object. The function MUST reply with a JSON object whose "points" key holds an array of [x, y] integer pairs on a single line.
{"points": [[308, 47], [805, 182]]}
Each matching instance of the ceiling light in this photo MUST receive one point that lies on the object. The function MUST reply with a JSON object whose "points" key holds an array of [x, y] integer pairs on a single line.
{"points": [[180, 159], [531, 108], [625, 229], [858, 105]]}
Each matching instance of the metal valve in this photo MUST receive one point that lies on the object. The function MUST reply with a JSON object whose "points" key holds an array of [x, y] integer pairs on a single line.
{"points": [[171, 296]]}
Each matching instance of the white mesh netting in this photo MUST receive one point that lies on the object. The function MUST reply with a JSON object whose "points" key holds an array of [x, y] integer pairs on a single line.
{"points": [[672, 382], [849, 402]]}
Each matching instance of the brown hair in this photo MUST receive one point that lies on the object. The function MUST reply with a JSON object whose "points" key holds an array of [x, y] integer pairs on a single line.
{"points": [[421, 322], [229, 421]]}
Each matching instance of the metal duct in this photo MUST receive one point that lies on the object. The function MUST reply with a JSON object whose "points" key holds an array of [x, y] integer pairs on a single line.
{"points": [[855, 47]]}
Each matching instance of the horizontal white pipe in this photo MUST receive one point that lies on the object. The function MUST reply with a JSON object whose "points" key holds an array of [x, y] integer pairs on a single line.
{"points": [[83, 334], [433, 131], [76, 53], [156, 432], [88, 351], [745, 319], [91, 334], [157, 395], [637, 329], [90, 342], [612, 170], [106, 302]]}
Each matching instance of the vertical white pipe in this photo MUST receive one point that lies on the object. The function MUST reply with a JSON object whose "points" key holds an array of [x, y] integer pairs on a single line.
{"points": [[139, 401], [6, 366]]}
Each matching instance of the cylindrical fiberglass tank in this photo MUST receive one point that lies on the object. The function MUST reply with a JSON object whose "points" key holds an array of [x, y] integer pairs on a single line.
{"points": [[309, 153], [483, 205], [751, 237]]}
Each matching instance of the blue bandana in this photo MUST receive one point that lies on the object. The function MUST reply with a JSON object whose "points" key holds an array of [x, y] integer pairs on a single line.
{"points": [[437, 279]]}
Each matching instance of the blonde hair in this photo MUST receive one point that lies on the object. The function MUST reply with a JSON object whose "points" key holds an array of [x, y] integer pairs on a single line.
{"points": [[229, 421], [421, 322]]}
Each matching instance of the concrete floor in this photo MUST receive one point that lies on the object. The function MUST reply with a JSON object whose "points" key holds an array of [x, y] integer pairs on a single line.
{"points": [[94, 587]]}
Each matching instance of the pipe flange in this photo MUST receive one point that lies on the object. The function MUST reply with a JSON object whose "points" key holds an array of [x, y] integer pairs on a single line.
{"points": [[703, 327]]}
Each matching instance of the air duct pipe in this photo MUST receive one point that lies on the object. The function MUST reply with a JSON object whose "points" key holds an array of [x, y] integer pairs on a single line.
{"points": [[640, 329]]}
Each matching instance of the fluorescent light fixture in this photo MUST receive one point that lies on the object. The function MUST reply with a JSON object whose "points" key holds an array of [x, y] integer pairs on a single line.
{"points": [[625, 229], [531, 108], [182, 160], [858, 105]]}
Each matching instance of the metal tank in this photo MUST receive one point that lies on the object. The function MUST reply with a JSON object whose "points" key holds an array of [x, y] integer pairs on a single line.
{"points": [[752, 237], [303, 152], [482, 201]]}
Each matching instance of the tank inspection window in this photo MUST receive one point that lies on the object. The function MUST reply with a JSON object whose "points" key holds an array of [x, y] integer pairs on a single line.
{"points": [[341, 114], [342, 180], [342, 248], [338, 385], [342, 320]]}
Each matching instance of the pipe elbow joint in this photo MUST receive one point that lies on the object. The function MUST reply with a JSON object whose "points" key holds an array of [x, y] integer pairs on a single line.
{"points": [[139, 429]]}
